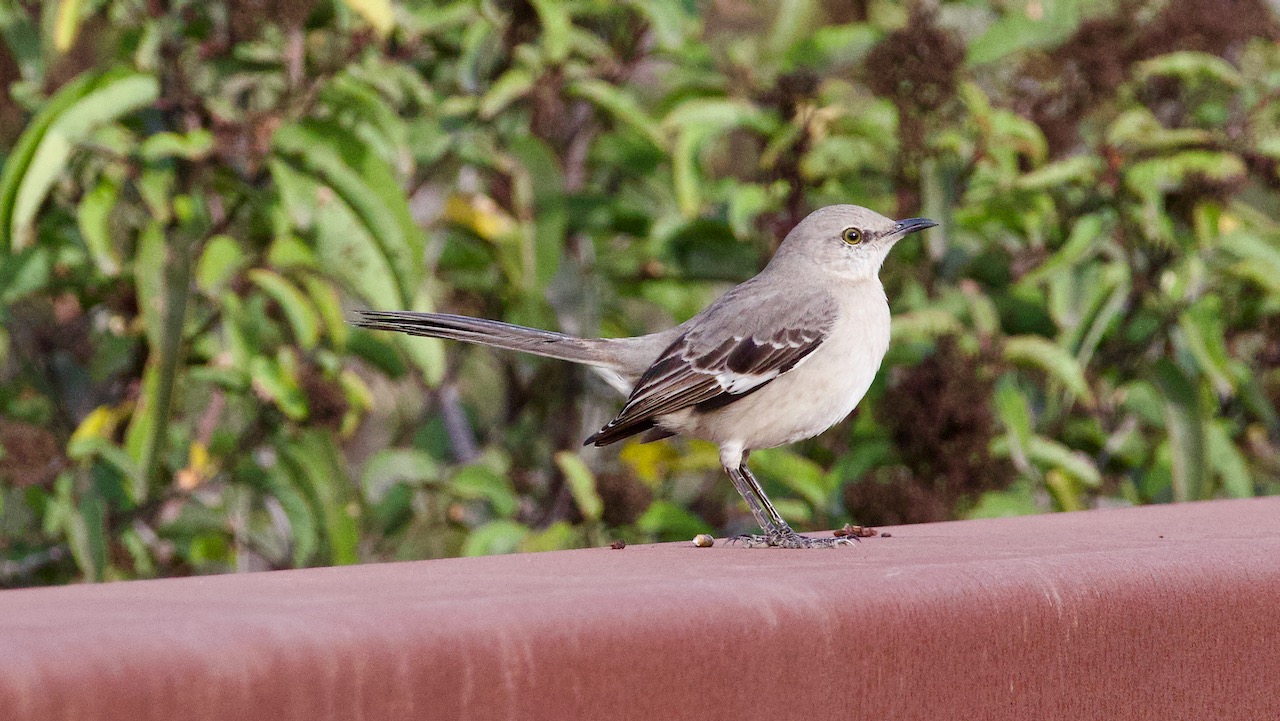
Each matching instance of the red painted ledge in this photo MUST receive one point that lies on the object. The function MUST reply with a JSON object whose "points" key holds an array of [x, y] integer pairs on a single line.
{"points": [[1169, 612]]}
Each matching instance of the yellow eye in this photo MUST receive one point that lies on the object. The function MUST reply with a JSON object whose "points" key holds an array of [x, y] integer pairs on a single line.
{"points": [[852, 236]]}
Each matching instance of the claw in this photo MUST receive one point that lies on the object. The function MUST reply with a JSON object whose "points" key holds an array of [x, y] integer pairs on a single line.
{"points": [[788, 538]]}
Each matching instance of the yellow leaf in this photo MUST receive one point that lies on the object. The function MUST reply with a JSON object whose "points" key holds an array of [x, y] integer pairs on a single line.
{"points": [[479, 214], [649, 462], [67, 25], [200, 467], [377, 13], [100, 423]]}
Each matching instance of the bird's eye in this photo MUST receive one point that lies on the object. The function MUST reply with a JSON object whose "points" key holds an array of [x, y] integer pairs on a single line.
{"points": [[852, 236]]}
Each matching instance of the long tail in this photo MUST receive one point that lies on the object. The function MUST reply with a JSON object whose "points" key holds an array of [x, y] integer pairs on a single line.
{"points": [[492, 333]]}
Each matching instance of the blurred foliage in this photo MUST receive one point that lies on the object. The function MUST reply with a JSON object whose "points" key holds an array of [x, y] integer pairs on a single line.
{"points": [[193, 192]]}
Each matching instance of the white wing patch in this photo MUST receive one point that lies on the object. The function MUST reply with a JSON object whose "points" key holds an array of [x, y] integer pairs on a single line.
{"points": [[710, 377], [738, 383]]}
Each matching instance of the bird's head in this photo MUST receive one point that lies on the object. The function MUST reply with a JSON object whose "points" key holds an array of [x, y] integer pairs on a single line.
{"points": [[849, 240]]}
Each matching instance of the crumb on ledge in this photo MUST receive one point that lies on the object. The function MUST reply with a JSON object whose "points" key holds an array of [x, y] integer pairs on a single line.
{"points": [[704, 540], [618, 545], [852, 531]]}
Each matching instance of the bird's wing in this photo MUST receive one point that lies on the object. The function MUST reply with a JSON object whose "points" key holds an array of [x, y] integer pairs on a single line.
{"points": [[733, 352]]}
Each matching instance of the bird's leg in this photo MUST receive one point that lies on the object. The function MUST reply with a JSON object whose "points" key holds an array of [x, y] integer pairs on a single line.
{"points": [[778, 521], [769, 520], [777, 532]]}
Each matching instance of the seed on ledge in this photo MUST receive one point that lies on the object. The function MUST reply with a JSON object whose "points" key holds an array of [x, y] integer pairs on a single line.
{"points": [[618, 545], [704, 540], [852, 531]]}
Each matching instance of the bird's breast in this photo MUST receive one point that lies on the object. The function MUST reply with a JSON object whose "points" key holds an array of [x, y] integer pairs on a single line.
{"points": [[818, 393]]}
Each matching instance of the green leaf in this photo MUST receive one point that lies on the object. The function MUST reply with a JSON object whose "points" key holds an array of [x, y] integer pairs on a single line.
{"points": [[87, 537], [1190, 66], [221, 259], [149, 282], [1042, 353], [87, 106], [1063, 490], [483, 481], [365, 109], [684, 169], [313, 459], [545, 183], [796, 472], [1019, 30], [1140, 131], [622, 106], [366, 237], [195, 145], [582, 483], [1015, 412], [1016, 133], [1259, 259], [325, 299], [24, 273], [304, 524], [1203, 328], [367, 186], [1077, 170], [1019, 500], [155, 185], [923, 325], [141, 431], [1227, 461], [717, 115], [1087, 234], [289, 252], [1051, 454], [390, 466], [670, 20], [669, 522], [19, 160], [22, 37], [115, 456], [558, 536], [556, 24], [274, 380], [297, 309], [94, 218], [1184, 420], [1171, 172], [695, 122], [1115, 284], [495, 537], [510, 86]]}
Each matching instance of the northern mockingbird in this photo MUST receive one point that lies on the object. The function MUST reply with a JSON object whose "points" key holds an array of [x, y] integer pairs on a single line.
{"points": [[777, 359]]}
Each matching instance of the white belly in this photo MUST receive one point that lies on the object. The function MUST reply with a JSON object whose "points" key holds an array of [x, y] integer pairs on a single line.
{"points": [[815, 395]]}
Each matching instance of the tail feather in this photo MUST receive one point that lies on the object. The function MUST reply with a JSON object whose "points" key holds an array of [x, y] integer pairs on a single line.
{"points": [[491, 333]]}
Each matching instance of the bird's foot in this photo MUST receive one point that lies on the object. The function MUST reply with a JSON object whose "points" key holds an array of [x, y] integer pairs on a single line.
{"points": [[787, 538]]}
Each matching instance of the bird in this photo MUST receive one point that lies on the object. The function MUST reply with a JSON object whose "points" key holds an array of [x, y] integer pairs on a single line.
{"points": [[776, 359]]}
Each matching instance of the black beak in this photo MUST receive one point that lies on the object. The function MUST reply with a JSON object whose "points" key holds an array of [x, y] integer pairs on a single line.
{"points": [[911, 225]]}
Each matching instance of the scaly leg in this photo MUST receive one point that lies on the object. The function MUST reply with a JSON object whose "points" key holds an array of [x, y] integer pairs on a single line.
{"points": [[777, 532], [769, 520]]}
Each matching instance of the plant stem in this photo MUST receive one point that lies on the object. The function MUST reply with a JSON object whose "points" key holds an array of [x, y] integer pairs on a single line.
{"points": [[177, 289]]}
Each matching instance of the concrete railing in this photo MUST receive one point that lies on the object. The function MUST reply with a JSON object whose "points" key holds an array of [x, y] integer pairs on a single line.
{"points": [[1169, 612]]}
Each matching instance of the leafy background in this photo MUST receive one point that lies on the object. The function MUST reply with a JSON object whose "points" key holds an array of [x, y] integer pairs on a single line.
{"points": [[193, 193]]}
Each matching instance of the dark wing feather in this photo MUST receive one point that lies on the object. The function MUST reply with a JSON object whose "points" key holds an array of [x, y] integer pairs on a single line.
{"points": [[686, 375]]}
